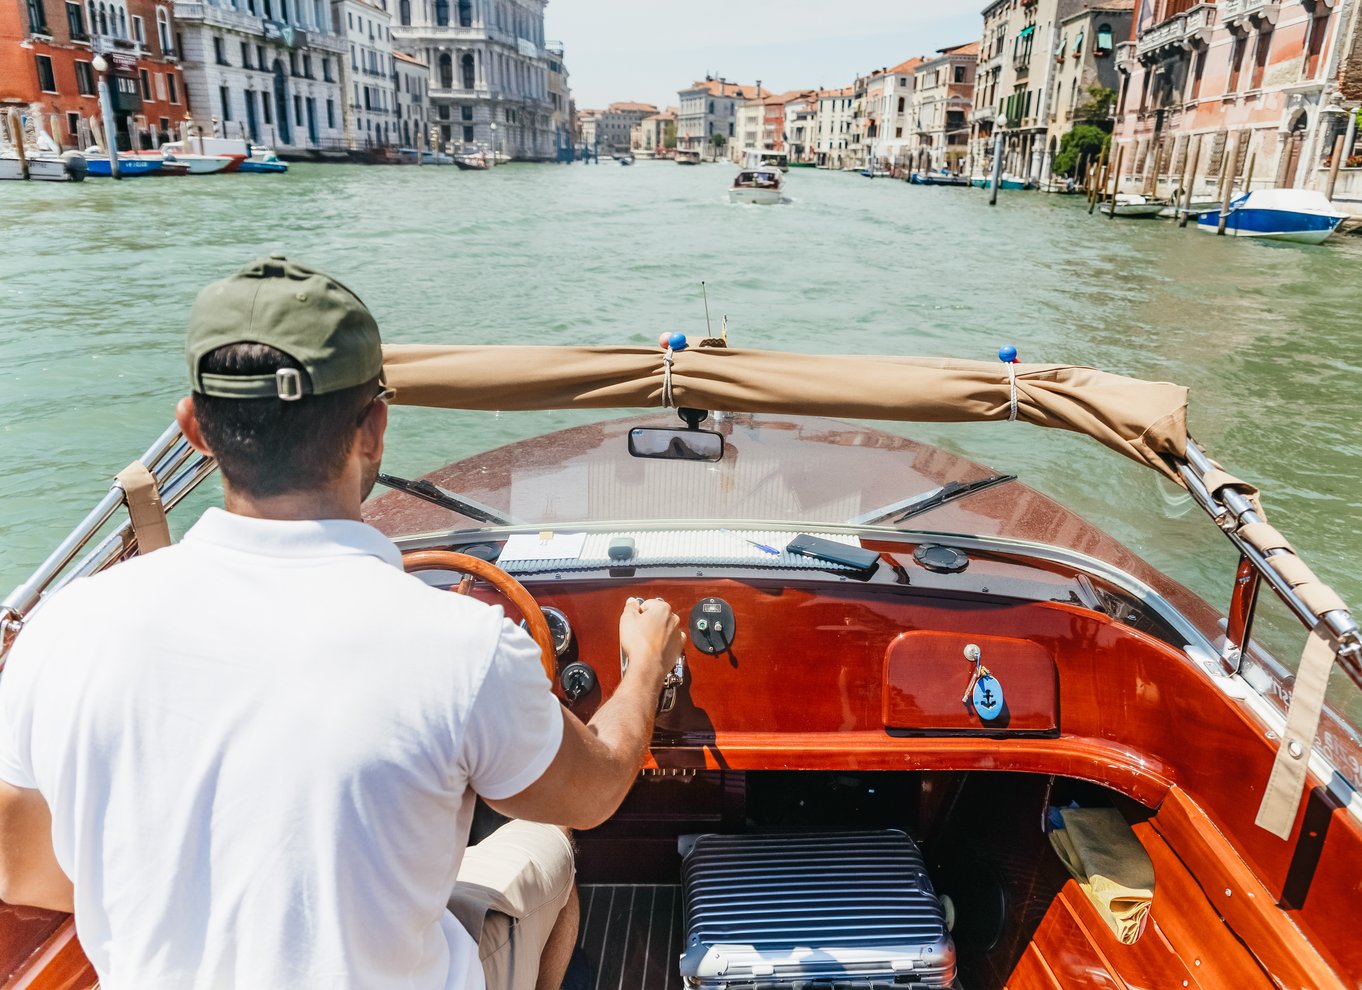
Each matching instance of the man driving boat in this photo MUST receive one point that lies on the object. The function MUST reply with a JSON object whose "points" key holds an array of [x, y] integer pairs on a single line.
{"points": [[250, 759]]}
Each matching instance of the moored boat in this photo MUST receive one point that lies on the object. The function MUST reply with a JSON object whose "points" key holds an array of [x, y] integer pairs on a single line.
{"points": [[1300, 215], [937, 179], [261, 160], [973, 679], [1134, 205], [684, 156], [129, 166], [67, 167], [235, 149], [472, 161], [1006, 182], [760, 186], [202, 164]]}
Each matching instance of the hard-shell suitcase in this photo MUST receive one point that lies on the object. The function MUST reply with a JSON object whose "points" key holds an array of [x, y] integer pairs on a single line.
{"points": [[834, 909]]}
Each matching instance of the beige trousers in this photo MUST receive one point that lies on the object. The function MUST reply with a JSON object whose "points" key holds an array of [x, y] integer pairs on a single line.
{"points": [[511, 887]]}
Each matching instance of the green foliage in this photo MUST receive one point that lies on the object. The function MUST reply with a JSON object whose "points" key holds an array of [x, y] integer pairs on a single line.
{"points": [[669, 135], [1081, 145], [718, 140], [1098, 106]]}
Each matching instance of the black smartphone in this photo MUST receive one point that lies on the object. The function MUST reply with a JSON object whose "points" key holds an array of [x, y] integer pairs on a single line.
{"points": [[837, 553]]}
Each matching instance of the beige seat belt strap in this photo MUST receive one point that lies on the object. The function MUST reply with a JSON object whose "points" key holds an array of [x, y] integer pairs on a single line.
{"points": [[149, 526], [1282, 798]]}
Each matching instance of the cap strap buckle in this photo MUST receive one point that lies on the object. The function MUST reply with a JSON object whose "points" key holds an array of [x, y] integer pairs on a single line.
{"points": [[289, 384]]}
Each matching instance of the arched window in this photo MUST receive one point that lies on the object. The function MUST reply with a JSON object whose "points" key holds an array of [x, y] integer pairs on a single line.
{"points": [[122, 23], [466, 66], [465, 13], [446, 71], [442, 13], [103, 19], [163, 29], [404, 12]]}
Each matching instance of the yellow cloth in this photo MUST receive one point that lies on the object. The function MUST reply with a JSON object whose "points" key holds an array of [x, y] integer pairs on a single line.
{"points": [[1110, 865]]}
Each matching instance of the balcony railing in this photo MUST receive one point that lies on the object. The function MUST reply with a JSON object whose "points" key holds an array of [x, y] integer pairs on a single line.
{"points": [[1125, 56], [1181, 30], [1242, 11]]}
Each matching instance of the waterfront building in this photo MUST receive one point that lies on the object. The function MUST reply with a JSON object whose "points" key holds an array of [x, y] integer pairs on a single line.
{"points": [[650, 135], [1014, 83], [833, 128], [412, 78], [1086, 68], [801, 126], [266, 70], [368, 75], [708, 109], [562, 112], [943, 93], [47, 53], [612, 128], [888, 110], [1232, 83], [586, 127], [489, 84], [750, 115]]}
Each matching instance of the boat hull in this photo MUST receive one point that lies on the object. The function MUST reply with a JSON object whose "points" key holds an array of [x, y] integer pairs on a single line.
{"points": [[254, 166], [40, 170], [128, 168], [755, 197], [1275, 225], [919, 179], [204, 164]]}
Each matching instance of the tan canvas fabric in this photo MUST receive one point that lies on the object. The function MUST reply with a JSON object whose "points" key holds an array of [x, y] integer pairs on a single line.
{"points": [[1286, 783], [1139, 419], [1110, 865], [148, 515]]}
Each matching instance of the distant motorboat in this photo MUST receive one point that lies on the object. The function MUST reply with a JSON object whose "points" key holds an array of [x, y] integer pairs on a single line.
{"points": [[766, 158], [236, 149], [684, 157], [474, 162], [1007, 182], [937, 179], [1301, 215], [876, 173], [262, 160], [626, 160], [1134, 205], [202, 164], [69, 167], [129, 166], [759, 186]]}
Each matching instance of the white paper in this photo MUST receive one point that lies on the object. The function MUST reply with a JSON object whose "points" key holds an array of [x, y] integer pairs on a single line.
{"points": [[530, 546]]}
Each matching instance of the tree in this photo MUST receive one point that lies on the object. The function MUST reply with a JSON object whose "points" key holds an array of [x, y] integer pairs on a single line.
{"points": [[669, 135], [1081, 145], [718, 140], [1098, 107]]}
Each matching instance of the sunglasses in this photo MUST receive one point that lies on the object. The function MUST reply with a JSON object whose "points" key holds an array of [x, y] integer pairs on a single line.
{"points": [[385, 395]]}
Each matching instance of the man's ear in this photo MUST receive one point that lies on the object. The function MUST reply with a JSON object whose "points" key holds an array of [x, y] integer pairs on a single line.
{"points": [[369, 443], [187, 419]]}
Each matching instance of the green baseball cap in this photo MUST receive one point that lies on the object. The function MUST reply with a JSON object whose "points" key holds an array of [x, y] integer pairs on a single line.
{"points": [[304, 313]]}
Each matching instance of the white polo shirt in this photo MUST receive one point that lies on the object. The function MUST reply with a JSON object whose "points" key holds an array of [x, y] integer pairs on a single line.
{"points": [[260, 748]]}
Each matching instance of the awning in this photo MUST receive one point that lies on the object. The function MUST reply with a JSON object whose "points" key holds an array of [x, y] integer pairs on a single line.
{"points": [[1028, 30], [1142, 420]]}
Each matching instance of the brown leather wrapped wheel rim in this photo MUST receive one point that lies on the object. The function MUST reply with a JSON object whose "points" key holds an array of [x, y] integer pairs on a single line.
{"points": [[448, 560]]}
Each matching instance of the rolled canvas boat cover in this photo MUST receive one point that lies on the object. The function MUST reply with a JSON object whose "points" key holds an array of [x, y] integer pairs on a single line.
{"points": [[1142, 420]]}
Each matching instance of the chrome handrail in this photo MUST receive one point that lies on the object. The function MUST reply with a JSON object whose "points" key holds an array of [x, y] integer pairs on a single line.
{"points": [[1233, 510], [170, 457]]}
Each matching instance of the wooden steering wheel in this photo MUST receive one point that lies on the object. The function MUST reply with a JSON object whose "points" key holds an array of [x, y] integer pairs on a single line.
{"points": [[471, 567]]}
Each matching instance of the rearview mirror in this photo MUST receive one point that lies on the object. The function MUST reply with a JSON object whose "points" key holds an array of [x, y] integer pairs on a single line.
{"points": [[676, 445]]}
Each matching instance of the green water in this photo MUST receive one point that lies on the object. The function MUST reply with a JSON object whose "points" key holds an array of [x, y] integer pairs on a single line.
{"points": [[96, 280]]}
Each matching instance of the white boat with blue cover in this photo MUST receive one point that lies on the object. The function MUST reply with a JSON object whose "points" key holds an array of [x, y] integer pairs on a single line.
{"points": [[1300, 215]]}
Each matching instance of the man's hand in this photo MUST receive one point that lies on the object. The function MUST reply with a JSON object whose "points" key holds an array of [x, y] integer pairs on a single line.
{"points": [[650, 631], [597, 763]]}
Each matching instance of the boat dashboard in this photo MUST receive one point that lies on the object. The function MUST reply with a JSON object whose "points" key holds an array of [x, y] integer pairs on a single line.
{"points": [[792, 660]]}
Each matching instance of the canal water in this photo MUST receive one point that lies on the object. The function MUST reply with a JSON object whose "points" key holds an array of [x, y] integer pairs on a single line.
{"points": [[96, 280]]}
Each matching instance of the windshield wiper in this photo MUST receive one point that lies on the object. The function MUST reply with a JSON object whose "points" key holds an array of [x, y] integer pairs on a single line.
{"points": [[916, 504], [436, 495]]}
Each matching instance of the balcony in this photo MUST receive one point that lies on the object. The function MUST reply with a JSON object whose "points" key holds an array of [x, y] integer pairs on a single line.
{"points": [[1181, 31], [1244, 12], [1125, 57], [210, 14]]}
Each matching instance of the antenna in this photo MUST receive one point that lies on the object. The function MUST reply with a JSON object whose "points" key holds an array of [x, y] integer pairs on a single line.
{"points": [[703, 291]]}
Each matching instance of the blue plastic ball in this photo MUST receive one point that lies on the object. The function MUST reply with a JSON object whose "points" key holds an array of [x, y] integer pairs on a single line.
{"points": [[678, 341], [1007, 354]]}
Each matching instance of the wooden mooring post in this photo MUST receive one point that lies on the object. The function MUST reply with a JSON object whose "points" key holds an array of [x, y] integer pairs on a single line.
{"points": [[1099, 180], [15, 120], [1228, 171], [1115, 183], [1189, 182]]}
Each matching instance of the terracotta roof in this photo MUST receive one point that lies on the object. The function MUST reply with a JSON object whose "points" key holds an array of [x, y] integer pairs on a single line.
{"points": [[404, 57], [718, 87], [665, 115], [906, 66], [972, 48], [625, 107], [844, 91]]}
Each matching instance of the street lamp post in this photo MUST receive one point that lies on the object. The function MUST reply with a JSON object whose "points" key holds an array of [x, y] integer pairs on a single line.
{"points": [[494, 144], [101, 65]]}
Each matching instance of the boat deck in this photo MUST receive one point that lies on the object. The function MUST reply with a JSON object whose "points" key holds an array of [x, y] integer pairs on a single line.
{"points": [[632, 935]]}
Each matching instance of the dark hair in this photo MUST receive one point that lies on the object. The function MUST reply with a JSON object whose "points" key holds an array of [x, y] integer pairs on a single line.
{"points": [[271, 447]]}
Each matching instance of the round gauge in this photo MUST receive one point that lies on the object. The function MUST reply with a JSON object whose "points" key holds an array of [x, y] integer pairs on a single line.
{"points": [[559, 628]]}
